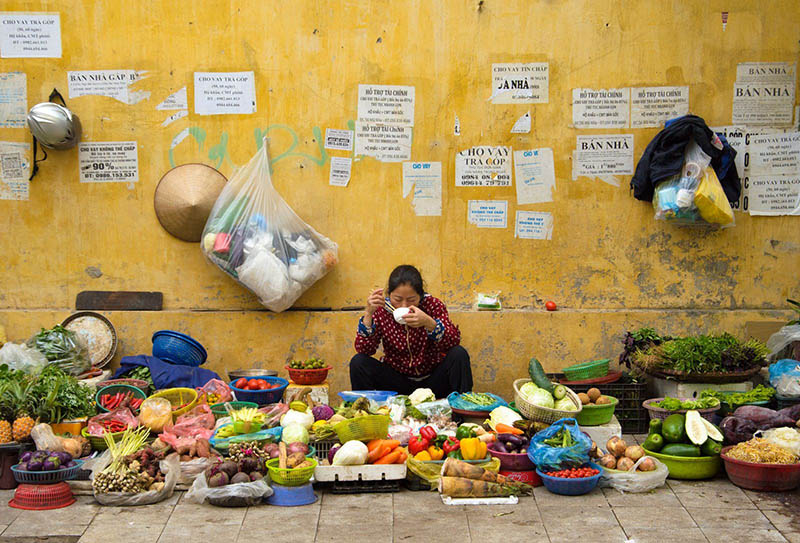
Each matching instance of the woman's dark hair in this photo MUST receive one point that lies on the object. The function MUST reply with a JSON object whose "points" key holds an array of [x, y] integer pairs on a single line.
{"points": [[406, 275]]}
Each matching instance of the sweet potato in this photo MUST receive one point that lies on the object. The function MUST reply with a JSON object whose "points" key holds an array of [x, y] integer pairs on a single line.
{"points": [[762, 417]]}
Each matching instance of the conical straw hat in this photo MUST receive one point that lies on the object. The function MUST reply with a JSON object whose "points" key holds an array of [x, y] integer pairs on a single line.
{"points": [[184, 198]]}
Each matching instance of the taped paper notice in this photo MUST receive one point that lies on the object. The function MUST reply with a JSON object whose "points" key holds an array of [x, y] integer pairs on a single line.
{"points": [[112, 83], [174, 117], [176, 100], [604, 157], [341, 140], [652, 106], [385, 142], [386, 104], [520, 83], [535, 175], [30, 35], [775, 195], [425, 178], [224, 93], [488, 213], [13, 100], [109, 161], [341, 168], [764, 93], [14, 170], [533, 225], [523, 124], [775, 154], [484, 166], [604, 108]]}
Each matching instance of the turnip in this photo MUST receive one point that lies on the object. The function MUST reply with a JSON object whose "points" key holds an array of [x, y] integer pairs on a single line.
{"points": [[240, 478], [230, 468], [218, 479], [297, 446]]}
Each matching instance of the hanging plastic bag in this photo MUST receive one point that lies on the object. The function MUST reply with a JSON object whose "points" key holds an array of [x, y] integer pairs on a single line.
{"points": [[780, 344], [23, 358], [155, 413], [216, 391], [635, 481], [170, 466], [710, 200], [784, 376], [231, 495], [255, 237], [549, 457]]}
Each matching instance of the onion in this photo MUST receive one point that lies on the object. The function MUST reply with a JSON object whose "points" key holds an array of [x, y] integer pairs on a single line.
{"points": [[634, 452], [297, 446], [648, 464], [616, 446], [624, 463], [608, 461]]}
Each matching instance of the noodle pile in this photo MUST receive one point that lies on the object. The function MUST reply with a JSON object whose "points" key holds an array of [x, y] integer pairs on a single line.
{"points": [[761, 451]]}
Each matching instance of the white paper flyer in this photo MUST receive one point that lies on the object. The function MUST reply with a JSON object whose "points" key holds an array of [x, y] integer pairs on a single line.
{"points": [[600, 108], [484, 166], [520, 83], [224, 93], [533, 225], [763, 93], [341, 168], [13, 100], [604, 157], [108, 161], [14, 170], [652, 106], [30, 35], [425, 179], [535, 175], [111, 83], [488, 213]]}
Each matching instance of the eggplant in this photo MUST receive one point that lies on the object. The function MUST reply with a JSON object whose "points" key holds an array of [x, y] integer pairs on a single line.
{"points": [[498, 446], [26, 456]]}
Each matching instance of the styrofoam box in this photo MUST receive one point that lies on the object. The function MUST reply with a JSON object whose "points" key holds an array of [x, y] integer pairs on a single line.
{"points": [[367, 472], [674, 389], [601, 434]]}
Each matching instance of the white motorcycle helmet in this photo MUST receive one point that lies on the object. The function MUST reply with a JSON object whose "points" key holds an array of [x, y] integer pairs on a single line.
{"points": [[54, 126]]}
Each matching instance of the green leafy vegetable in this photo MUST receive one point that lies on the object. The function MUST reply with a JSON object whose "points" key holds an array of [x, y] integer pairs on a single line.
{"points": [[758, 394], [55, 396], [674, 404], [142, 373], [63, 348], [702, 354]]}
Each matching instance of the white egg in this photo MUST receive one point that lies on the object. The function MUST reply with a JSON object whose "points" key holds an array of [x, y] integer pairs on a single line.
{"points": [[399, 313]]}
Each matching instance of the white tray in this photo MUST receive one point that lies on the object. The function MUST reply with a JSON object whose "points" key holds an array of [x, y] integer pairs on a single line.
{"points": [[367, 472]]}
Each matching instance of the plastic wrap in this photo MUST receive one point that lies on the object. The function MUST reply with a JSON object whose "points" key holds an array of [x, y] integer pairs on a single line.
{"points": [[171, 468], [548, 458], [784, 376], [123, 414], [155, 413], [457, 401], [235, 495], [216, 391], [64, 348], [780, 343], [22, 357], [192, 468], [431, 472], [274, 412], [635, 481], [256, 238]]}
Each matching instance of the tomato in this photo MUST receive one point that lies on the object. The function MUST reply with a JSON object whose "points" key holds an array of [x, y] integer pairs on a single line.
{"points": [[550, 306], [262, 384], [252, 385], [240, 382]]}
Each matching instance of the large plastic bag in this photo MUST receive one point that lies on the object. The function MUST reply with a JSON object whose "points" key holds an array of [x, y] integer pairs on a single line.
{"points": [[635, 481], [170, 466], [431, 472], [64, 348], [274, 412], [216, 391], [194, 467], [549, 458], [457, 401], [197, 423], [235, 495], [255, 237], [780, 343], [123, 414], [155, 413], [784, 376], [23, 358], [710, 200]]}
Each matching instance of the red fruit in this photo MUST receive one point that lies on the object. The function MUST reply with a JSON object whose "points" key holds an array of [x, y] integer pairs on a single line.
{"points": [[550, 306], [240, 383]]}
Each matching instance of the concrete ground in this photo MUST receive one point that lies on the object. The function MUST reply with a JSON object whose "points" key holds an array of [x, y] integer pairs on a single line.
{"points": [[684, 511]]}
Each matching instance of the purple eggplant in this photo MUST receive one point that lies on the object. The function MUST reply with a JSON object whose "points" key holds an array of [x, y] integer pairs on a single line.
{"points": [[498, 446], [26, 456], [35, 465]]}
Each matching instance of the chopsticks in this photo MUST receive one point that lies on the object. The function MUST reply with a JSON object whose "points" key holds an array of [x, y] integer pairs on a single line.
{"points": [[388, 306]]}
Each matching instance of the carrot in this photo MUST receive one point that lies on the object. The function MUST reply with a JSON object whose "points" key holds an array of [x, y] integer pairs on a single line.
{"points": [[392, 443], [377, 453], [403, 457], [501, 428], [390, 458], [374, 444]]}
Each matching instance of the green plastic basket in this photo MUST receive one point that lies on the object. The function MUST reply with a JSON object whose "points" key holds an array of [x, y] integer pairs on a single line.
{"points": [[363, 428], [290, 476], [114, 389], [595, 415], [587, 370], [219, 411], [98, 443]]}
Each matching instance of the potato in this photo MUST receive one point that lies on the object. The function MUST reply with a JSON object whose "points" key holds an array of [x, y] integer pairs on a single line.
{"points": [[648, 464], [616, 446], [295, 459], [624, 463], [593, 394], [608, 461], [584, 398], [603, 400], [634, 452]]}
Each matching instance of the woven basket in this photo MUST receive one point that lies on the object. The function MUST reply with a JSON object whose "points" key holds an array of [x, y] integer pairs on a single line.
{"points": [[661, 413], [290, 477], [715, 377], [363, 428], [177, 397], [543, 414]]}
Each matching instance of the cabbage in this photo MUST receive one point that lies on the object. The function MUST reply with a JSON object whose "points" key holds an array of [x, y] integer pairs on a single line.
{"points": [[503, 415], [352, 453], [422, 395], [528, 389], [565, 404], [305, 419], [293, 433], [539, 397]]}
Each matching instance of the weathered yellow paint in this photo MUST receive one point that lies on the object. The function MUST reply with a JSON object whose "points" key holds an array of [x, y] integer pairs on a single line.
{"points": [[608, 266]]}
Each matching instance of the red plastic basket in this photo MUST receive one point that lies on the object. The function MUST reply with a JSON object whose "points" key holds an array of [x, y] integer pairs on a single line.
{"points": [[308, 377], [42, 497]]}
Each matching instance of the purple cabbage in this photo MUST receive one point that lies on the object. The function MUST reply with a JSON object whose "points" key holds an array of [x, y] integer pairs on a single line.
{"points": [[333, 452], [322, 412]]}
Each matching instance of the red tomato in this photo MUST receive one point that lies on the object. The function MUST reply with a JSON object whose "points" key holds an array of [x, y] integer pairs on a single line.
{"points": [[550, 306], [262, 384], [252, 384], [240, 382]]}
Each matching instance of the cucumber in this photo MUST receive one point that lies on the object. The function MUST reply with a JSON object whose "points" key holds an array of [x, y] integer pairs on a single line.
{"points": [[680, 449], [539, 378], [695, 429], [711, 448], [654, 442], [559, 392]]}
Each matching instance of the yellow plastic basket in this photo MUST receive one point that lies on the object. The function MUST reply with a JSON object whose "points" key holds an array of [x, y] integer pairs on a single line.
{"points": [[363, 428], [290, 476], [178, 397]]}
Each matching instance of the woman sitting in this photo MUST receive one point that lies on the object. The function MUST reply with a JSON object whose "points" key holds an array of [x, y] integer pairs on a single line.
{"points": [[420, 351]]}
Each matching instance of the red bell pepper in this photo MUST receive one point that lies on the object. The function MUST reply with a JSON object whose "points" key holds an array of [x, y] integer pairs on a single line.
{"points": [[428, 433], [451, 444], [417, 444]]}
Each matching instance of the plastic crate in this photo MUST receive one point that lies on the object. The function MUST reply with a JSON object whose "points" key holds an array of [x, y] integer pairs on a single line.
{"points": [[323, 447], [633, 418]]}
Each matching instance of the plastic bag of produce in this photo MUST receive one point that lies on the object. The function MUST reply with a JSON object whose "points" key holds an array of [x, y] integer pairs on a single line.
{"points": [[780, 344], [64, 348], [784, 376], [230, 495], [274, 412], [170, 466], [548, 457], [155, 413], [635, 481], [23, 358], [198, 423], [191, 469], [100, 424], [216, 391], [431, 472], [462, 401], [255, 237]]}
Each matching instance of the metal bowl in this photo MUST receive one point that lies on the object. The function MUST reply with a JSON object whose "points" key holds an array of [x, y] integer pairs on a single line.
{"points": [[252, 372]]}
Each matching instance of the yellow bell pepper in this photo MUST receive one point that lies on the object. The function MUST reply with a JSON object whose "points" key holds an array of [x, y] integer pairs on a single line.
{"points": [[473, 448], [422, 456], [436, 452]]}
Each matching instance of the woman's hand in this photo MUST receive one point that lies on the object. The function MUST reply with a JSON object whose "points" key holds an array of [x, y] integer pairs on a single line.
{"points": [[417, 318], [374, 301]]}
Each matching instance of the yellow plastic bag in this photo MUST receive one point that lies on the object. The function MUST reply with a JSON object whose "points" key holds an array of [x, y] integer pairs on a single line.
{"points": [[155, 413], [711, 201], [430, 472]]}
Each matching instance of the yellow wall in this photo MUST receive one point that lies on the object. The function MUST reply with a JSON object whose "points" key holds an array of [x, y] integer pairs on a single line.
{"points": [[608, 266]]}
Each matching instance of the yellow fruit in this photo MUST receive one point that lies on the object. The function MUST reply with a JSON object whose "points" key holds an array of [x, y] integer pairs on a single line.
{"points": [[5, 431], [298, 406], [21, 430]]}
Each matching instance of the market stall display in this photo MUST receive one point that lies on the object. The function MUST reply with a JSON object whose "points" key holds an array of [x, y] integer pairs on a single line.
{"points": [[661, 408], [688, 445]]}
